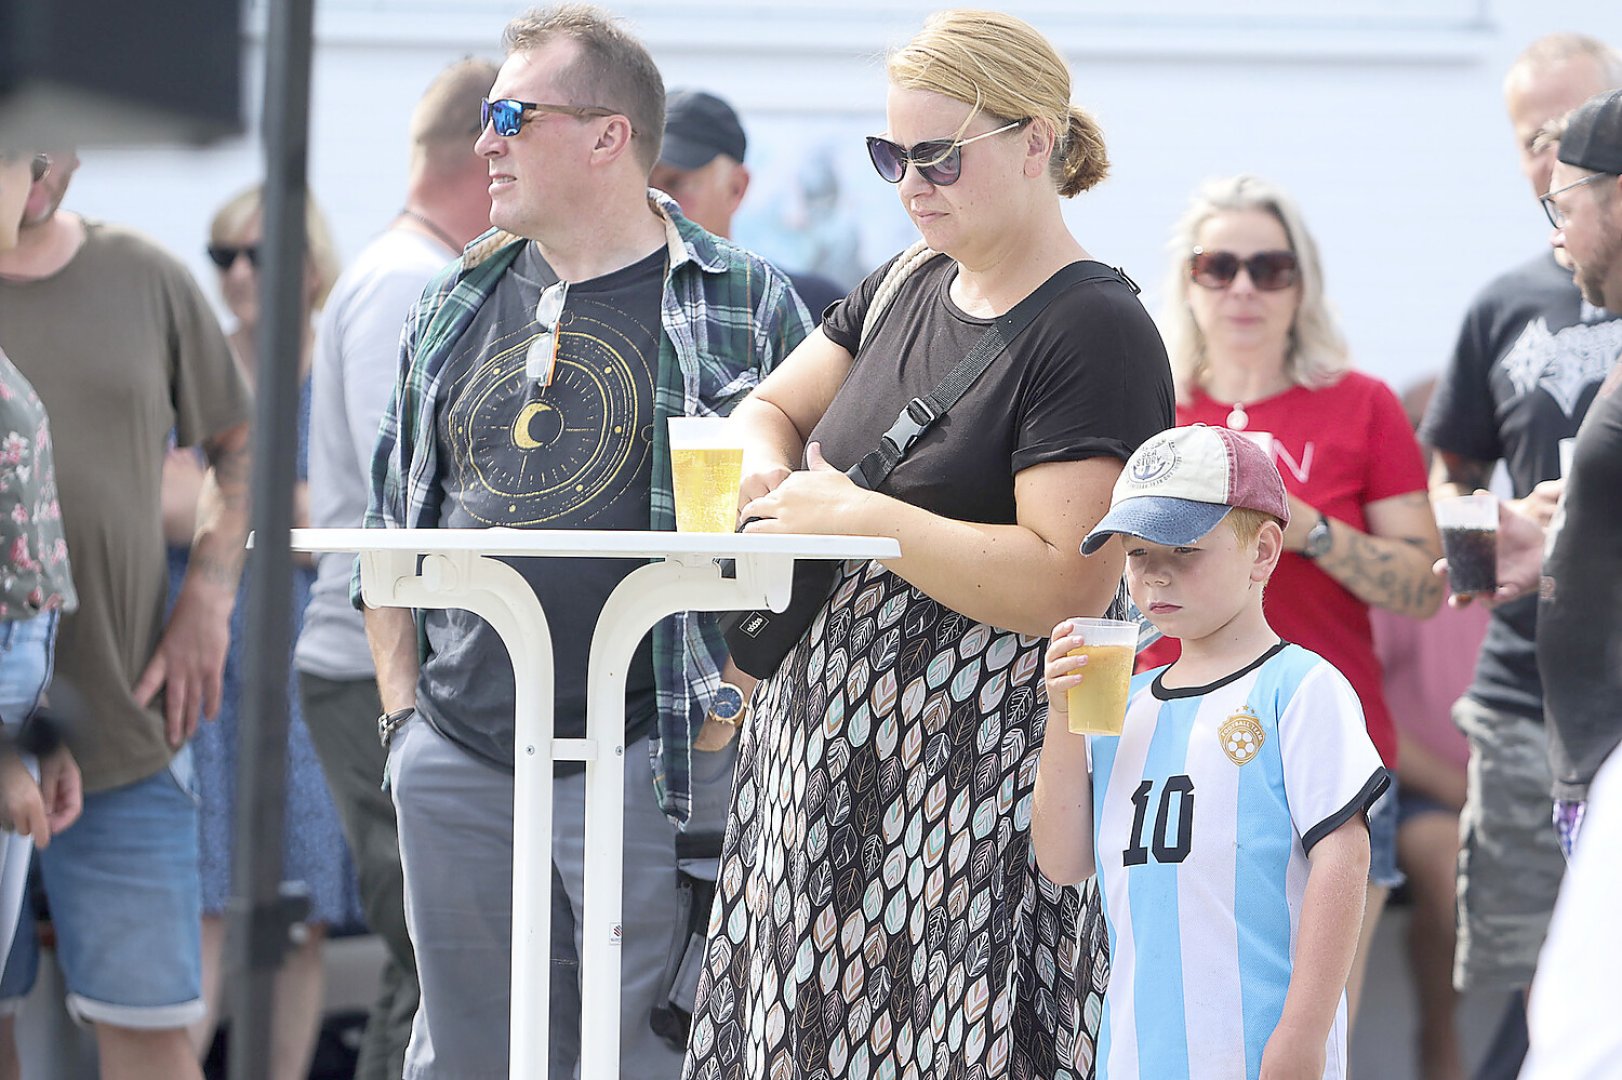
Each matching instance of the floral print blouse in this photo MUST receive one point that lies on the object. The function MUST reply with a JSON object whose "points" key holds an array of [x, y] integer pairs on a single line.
{"points": [[34, 574]]}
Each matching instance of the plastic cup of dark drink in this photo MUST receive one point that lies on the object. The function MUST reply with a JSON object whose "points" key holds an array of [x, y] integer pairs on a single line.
{"points": [[1469, 525]]}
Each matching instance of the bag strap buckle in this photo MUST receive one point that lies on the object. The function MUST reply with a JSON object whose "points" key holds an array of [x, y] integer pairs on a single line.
{"points": [[910, 425]]}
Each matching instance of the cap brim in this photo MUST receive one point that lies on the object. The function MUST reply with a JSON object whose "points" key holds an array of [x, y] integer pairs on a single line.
{"points": [[682, 153], [1159, 519]]}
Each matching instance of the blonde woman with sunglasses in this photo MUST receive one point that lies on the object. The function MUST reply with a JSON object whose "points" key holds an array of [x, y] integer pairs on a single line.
{"points": [[1255, 348], [879, 909], [314, 852]]}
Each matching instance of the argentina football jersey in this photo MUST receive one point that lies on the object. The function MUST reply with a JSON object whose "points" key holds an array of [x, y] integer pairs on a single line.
{"points": [[1206, 809]]}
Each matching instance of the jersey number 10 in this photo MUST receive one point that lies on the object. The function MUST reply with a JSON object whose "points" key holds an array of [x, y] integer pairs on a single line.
{"points": [[1180, 788]]}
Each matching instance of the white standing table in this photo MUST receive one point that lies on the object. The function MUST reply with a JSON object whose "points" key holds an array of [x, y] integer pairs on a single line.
{"points": [[462, 568]]}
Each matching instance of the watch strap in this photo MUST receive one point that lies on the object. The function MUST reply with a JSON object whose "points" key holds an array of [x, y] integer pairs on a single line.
{"points": [[1318, 538]]}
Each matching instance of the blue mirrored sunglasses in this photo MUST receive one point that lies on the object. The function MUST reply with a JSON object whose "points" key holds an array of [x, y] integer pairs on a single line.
{"points": [[507, 114]]}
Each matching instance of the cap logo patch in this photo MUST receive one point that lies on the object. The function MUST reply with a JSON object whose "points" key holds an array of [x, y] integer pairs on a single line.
{"points": [[1242, 736], [1154, 463]]}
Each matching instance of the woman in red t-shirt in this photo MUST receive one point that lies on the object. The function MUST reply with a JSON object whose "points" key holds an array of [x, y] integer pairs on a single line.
{"points": [[1254, 348]]}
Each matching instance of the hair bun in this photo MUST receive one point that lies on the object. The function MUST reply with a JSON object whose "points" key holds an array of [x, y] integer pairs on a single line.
{"points": [[1086, 162]]}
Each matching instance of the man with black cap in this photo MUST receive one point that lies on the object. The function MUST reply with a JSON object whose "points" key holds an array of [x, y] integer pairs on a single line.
{"points": [[1572, 1018], [1580, 595], [1580, 627], [1529, 359], [1575, 564], [701, 167]]}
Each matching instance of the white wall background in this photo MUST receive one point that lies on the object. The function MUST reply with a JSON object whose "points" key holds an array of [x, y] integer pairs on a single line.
{"points": [[1383, 117]]}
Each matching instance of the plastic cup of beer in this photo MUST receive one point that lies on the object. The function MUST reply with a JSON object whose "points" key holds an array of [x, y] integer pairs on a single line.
{"points": [[706, 466], [1098, 705], [1469, 525]]}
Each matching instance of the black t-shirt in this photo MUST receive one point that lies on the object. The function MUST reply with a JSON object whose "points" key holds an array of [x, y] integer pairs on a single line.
{"points": [[577, 454], [1529, 357], [1089, 377], [1580, 608]]}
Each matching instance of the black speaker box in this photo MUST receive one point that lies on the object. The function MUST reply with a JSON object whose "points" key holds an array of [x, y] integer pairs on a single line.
{"points": [[120, 71]]}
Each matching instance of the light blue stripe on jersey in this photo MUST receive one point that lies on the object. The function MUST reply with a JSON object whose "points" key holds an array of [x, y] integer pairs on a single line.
{"points": [[1262, 869], [1156, 923], [1102, 751]]}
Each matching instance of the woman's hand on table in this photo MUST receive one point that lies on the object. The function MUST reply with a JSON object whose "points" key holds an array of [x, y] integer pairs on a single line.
{"points": [[820, 499], [758, 481]]}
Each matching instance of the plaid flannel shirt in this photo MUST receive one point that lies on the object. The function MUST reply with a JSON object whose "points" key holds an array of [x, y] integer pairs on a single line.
{"points": [[727, 319]]}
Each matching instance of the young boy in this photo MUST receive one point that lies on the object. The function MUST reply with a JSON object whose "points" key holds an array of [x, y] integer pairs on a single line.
{"points": [[1226, 824]]}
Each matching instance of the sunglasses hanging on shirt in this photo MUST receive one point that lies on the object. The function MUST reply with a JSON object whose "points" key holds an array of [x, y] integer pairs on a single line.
{"points": [[540, 361]]}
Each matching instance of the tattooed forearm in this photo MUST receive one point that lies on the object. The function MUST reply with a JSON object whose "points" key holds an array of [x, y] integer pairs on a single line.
{"points": [[229, 461], [214, 571], [1384, 571], [222, 512]]}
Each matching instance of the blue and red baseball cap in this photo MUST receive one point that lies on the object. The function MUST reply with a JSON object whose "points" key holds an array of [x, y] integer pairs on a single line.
{"points": [[1182, 483]]}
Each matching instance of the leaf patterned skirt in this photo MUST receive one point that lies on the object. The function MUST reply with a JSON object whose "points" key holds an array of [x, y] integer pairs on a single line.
{"points": [[879, 913]]}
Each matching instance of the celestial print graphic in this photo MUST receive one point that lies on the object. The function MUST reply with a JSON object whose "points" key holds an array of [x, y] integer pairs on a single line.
{"points": [[522, 454]]}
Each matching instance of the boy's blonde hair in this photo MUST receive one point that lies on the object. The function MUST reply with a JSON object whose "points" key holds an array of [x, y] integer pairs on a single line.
{"points": [[1247, 524]]}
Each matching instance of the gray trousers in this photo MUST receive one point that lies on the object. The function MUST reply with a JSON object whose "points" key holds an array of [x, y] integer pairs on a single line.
{"points": [[342, 718], [456, 840]]}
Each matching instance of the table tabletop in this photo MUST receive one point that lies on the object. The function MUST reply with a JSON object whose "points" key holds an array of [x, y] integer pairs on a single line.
{"points": [[600, 543]]}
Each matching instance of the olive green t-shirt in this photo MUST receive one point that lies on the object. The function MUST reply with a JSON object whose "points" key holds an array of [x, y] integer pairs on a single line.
{"points": [[122, 348]]}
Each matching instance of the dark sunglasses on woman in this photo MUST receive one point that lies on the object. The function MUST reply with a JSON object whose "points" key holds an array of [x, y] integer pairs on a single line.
{"points": [[939, 161], [508, 113], [1270, 271], [225, 256]]}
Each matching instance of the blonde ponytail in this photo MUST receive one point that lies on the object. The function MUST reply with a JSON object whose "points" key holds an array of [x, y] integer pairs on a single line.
{"points": [[1083, 161]]}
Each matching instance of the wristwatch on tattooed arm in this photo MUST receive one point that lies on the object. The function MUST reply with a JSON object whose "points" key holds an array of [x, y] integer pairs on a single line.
{"points": [[1318, 539]]}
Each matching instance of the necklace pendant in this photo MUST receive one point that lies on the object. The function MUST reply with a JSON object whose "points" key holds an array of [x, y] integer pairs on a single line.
{"points": [[1238, 419]]}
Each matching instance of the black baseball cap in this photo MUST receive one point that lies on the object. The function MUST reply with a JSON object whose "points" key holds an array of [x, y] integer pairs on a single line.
{"points": [[697, 127], [1593, 138]]}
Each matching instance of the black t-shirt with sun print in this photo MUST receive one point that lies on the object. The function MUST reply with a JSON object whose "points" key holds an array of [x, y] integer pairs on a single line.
{"points": [[574, 454]]}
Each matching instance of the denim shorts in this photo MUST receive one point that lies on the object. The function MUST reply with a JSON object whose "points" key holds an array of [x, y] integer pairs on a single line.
{"points": [[1412, 805], [27, 653], [27, 649], [122, 884], [1383, 839]]}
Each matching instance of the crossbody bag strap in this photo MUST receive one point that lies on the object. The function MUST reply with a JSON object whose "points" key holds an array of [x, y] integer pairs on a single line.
{"points": [[919, 414]]}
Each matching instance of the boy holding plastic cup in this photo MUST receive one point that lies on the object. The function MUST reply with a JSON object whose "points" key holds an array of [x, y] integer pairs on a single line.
{"points": [[1227, 824]]}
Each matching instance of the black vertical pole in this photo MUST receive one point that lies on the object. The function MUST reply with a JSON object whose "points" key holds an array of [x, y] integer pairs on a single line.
{"points": [[261, 911]]}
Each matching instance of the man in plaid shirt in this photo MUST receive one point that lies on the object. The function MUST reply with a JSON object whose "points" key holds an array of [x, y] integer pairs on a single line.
{"points": [[536, 377]]}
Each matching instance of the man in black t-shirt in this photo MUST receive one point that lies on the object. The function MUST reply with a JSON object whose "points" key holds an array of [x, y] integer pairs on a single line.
{"points": [[537, 377], [1580, 597], [1529, 359], [1579, 643]]}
